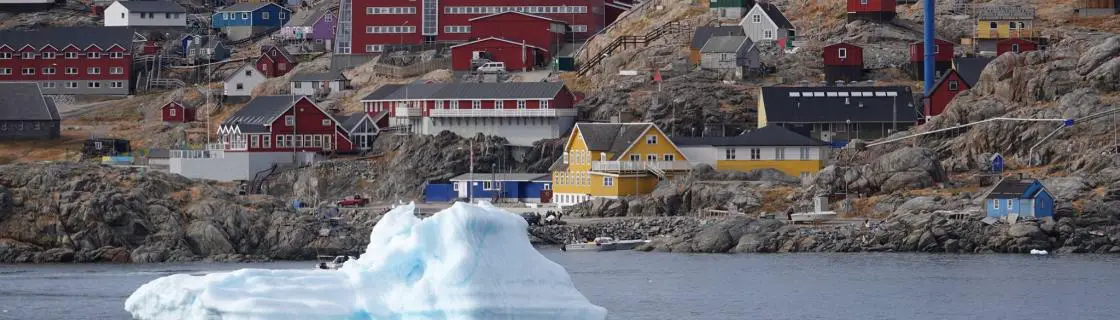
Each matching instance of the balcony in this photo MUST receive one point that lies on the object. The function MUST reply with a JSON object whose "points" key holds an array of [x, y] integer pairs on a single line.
{"points": [[408, 112], [494, 113], [197, 154], [618, 166]]}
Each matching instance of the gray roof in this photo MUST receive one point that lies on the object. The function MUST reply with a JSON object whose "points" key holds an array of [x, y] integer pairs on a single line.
{"points": [[1017, 12], [254, 116], [776, 15], [839, 104], [206, 41], [248, 6], [307, 18], [319, 76], [349, 121], [971, 67], [1010, 188], [159, 153], [702, 34], [153, 6], [725, 44], [611, 137], [24, 101], [82, 37], [468, 91], [558, 165], [504, 177], [771, 135]]}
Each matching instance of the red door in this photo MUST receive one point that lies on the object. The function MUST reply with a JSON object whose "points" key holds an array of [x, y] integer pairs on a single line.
{"points": [[546, 196]]}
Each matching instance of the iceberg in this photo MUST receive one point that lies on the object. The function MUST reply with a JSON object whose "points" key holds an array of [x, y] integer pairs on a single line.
{"points": [[465, 262]]}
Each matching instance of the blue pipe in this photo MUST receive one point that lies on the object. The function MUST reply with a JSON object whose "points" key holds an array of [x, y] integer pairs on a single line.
{"points": [[929, 46]]}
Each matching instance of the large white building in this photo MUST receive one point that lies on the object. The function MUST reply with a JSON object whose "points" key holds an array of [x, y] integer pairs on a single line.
{"points": [[145, 14], [522, 112], [770, 147]]}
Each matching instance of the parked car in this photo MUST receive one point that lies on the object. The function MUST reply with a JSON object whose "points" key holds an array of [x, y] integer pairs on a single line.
{"points": [[493, 67], [353, 201]]}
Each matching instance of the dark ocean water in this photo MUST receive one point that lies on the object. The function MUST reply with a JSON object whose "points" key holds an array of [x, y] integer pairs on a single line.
{"points": [[644, 286]]}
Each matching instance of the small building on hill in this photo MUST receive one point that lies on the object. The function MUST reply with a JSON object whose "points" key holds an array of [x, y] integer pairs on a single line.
{"points": [[970, 68], [175, 112], [310, 29], [838, 114], [998, 22], [497, 187], [1013, 198], [275, 61], [943, 58], [240, 84], [771, 147], [1015, 45], [843, 62], [873, 10], [201, 48], [766, 23], [1095, 8], [943, 92], [516, 56], [246, 20], [25, 114], [157, 13], [702, 34], [316, 83], [733, 56], [730, 9]]}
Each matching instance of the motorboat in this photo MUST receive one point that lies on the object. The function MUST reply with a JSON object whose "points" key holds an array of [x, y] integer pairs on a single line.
{"points": [[332, 262], [604, 244]]}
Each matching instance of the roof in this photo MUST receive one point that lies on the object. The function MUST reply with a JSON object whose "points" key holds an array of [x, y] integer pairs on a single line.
{"points": [[725, 44], [159, 153], [558, 165], [946, 77], [82, 37], [319, 76], [1017, 12], [521, 13], [702, 34], [307, 18], [248, 6], [1010, 188], [970, 68], [153, 6], [611, 137], [349, 121], [771, 135], [503, 177], [776, 15], [284, 52], [499, 39], [839, 104], [257, 113], [468, 91], [24, 101]]}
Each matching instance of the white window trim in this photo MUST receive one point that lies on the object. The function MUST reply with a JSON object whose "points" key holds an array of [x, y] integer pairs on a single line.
{"points": [[842, 53]]}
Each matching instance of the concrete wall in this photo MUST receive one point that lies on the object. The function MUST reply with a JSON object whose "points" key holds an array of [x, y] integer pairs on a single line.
{"points": [[234, 166], [83, 87]]}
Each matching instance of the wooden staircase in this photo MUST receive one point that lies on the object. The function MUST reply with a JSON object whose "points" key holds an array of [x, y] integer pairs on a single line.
{"points": [[627, 41]]}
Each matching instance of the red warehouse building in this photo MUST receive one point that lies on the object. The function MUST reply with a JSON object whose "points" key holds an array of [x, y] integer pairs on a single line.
{"points": [[843, 62], [379, 23], [69, 61], [874, 10], [535, 30], [174, 112], [1016, 45], [516, 56], [943, 58], [275, 61], [943, 92]]}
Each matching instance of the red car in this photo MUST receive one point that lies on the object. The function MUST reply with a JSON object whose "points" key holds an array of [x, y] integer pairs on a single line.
{"points": [[355, 201]]}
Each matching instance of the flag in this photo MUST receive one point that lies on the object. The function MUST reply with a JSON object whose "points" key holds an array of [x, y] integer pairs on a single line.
{"points": [[657, 76], [782, 43]]}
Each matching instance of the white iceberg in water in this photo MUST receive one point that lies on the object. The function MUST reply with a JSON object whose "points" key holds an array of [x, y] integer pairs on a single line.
{"points": [[466, 262]]}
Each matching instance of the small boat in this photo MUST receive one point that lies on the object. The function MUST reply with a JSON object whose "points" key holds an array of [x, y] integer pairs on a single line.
{"points": [[812, 216], [604, 244], [1039, 252], [332, 262]]}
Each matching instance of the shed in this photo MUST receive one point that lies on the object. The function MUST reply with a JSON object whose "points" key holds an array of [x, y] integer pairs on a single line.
{"points": [[943, 92], [242, 81], [520, 187], [1016, 45], [313, 83], [25, 114], [175, 112], [1014, 198], [204, 48], [874, 10], [996, 163], [943, 58], [516, 56], [842, 62], [702, 34], [765, 22], [158, 13], [736, 54]]}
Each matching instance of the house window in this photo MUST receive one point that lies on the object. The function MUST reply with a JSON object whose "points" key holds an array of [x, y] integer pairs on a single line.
{"points": [[756, 18], [284, 15], [779, 153], [768, 34], [281, 66], [476, 104], [487, 185], [240, 86], [1010, 205], [28, 55], [297, 84], [805, 175], [608, 181], [863, 2], [93, 70], [521, 104], [993, 25], [729, 154], [48, 55], [93, 55], [289, 120], [953, 85], [546, 186], [5, 71], [245, 15], [499, 104], [281, 141], [635, 157], [5, 55], [651, 139], [71, 55], [71, 85], [266, 142], [579, 28], [842, 53], [254, 141], [326, 122], [804, 153], [171, 112], [565, 157], [36, 126], [116, 70], [995, 203], [455, 186], [116, 84], [651, 157], [93, 84], [375, 48], [544, 104], [48, 70], [1015, 47], [457, 29], [116, 55], [28, 71], [669, 157], [3, 126], [71, 70], [936, 49], [756, 154], [49, 85], [264, 15]]}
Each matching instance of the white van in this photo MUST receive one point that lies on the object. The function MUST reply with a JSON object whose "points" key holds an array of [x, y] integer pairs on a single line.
{"points": [[493, 67]]}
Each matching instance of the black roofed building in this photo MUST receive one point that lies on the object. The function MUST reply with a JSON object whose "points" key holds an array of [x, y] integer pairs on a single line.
{"points": [[838, 114], [702, 34], [770, 147], [971, 67], [25, 114], [733, 56], [522, 112]]}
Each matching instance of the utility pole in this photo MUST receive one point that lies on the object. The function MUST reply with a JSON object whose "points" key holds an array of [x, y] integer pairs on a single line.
{"points": [[470, 177], [929, 47]]}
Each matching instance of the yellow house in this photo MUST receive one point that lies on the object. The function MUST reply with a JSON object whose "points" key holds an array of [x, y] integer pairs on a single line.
{"points": [[994, 23], [612, 160], [771, 147]]}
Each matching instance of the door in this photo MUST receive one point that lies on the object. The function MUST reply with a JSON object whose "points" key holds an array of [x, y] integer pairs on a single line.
{"points": [[546, 196]]}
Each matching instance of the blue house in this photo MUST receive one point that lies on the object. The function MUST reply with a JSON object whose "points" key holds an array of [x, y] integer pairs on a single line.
{"points": [[245, 20], [1019, 198], [500, 187]]}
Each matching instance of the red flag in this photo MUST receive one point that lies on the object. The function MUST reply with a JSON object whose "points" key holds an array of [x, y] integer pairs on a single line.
{"points": [[782, 43], [657, 76]]}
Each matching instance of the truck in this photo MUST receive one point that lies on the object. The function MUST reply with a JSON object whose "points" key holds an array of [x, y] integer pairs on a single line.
{"points": [[353, 201]]}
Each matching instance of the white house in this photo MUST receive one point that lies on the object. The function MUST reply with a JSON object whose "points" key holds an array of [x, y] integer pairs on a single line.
{"points": [[145, 14], [765, 22], [770, 147], [306, 83], [240, 83]]}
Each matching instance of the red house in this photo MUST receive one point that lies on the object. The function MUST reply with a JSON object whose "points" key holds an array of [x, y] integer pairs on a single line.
{"points": [[874, 10], [516, 56], [69, 61], [943, 58], [943, 92], [175, 112], [1016, 45], [283, 124], [843, 62], [517, 27], [275, 61], [381, 23]]}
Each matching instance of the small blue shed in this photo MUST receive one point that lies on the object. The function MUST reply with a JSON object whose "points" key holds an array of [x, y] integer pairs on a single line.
{"points": [[520, 187], [996, 163], [1019, 198]]}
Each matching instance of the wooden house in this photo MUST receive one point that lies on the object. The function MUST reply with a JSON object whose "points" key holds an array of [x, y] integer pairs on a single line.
{"points": [[175, 112], [310, 29], [516, 55], [838, 114], [318, 83], [1015, 45], [496, 187], [943, 92], [842, 62], [275, 61], [1094, 8], [730, 9], [246, 20], [519, 27], [362, 128], [25, 114], [155, 13], [283, 123], [240, 84], [943, 58], [872, 10], [766, 23], [970, 68], [1013, 198], [702, 34], [201, 48], [736, 56], [771, 147], [995, 23]]}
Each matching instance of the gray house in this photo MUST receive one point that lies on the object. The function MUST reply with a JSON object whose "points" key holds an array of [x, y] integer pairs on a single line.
{"points": [[731, 55], [318, 83], [765, 23], [25, 114], [200, 48]]}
